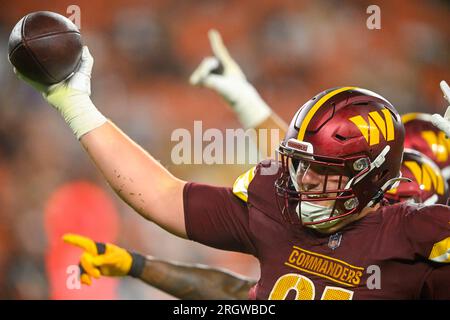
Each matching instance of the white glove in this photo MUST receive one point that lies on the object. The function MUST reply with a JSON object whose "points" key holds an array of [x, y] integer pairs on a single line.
{"points": [[231, 84], [72, 97], [443, 123]]}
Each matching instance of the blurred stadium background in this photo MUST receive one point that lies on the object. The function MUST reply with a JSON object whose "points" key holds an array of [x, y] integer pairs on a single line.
{"points": [[144, 53]]}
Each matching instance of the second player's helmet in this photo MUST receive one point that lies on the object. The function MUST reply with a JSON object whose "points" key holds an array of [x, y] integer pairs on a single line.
{"points": [[427, 184], [423, 136], [350, 134]]}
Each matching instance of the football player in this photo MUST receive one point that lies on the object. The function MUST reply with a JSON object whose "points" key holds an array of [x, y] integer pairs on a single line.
{"points": [[193, 281], [187, 281], [313, 220]]}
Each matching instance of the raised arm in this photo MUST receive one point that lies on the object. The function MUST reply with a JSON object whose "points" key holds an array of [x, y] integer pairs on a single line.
{"points": [[137, 177], [133, 174], [223, 75]]}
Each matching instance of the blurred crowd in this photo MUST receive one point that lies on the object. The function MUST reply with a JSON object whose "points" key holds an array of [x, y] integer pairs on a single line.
{"points": [[144, 53]]}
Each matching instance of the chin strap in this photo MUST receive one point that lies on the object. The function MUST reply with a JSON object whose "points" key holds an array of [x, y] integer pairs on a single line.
{"points": [[379, 160], [390, 184], [394, 182]]}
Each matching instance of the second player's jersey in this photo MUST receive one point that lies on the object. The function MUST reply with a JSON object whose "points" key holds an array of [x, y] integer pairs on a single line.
{"points": [[389, 254]]}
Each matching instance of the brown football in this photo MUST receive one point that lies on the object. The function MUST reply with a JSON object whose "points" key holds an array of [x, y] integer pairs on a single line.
{"points": [[45, 47]]}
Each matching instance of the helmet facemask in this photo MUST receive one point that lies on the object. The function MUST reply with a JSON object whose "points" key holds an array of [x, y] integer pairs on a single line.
{"points": [[316, 190]]}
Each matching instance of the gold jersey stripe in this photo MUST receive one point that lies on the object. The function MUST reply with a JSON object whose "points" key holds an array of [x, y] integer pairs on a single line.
{"points": [[328, 258], [319, 274], [240, 186], [441, 251]]}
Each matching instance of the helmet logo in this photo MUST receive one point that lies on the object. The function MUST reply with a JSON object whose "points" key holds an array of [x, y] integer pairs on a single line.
{"points": [[426, 176], [371, 130], [439, 145]]}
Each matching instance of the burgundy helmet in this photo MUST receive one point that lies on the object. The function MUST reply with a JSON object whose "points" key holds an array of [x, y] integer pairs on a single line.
{"points": [[423, 136], [352, 135], [427, 184]]}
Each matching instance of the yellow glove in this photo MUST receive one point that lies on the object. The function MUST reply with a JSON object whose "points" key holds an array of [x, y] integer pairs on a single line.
{"points": [[104, 259]]}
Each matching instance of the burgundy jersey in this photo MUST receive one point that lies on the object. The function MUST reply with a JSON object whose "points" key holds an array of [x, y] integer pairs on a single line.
{"points": [[437, 284], [396, 252]]}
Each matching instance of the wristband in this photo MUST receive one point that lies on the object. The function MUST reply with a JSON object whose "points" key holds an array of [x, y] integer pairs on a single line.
{"points": [[137, 265]]}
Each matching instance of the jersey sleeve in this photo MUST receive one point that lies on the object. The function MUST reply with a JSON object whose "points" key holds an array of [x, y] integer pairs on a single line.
{"points": [[218, 218], [428, 230]]}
